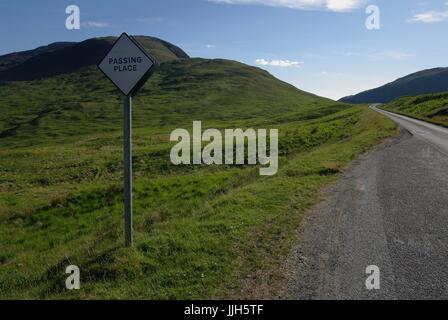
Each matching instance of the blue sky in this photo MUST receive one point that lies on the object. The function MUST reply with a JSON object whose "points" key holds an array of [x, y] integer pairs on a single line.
{"points": [[321, 46]]}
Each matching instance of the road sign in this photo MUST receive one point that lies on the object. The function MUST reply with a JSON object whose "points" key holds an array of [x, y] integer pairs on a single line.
{"points": [[127, 64]]}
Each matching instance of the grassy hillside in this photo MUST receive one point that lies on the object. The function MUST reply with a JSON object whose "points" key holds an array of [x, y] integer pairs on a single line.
{"points": [[220, 92], [432, 108], [200, 231]]}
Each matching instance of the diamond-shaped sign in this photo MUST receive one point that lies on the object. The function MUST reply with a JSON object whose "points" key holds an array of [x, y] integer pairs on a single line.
{"points": [[127, 64]]}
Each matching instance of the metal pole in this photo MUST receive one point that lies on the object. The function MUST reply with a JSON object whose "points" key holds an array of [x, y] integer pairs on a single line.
{"points": [[128, 170]]}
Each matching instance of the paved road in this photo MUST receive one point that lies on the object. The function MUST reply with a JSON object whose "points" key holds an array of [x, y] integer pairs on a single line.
{"points": [[389, 210]]}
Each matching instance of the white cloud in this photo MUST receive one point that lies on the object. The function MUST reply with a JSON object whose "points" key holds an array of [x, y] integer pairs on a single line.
{"points": [[430, 17], [332, 5], [95, 24], [210, 46], [279, 63], [390, 55], [342, 5]]}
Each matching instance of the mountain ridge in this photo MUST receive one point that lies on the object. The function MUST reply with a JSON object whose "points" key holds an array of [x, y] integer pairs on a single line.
{"points": [[428, 81], [65, 57], [13, 59]]}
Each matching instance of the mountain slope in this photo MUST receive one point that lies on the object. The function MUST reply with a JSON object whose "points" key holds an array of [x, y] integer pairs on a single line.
{"points": [[62, 58], [84, 101], [423, 82]]}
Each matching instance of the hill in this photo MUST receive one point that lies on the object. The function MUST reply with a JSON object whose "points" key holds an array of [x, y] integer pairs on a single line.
{"points": [[13, 59], [200, 231], [431, 107], [423, 82], [65, 57]]}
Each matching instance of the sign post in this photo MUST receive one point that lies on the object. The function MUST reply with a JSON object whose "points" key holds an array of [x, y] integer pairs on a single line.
{"points": [[128, 66], [128, 170]]}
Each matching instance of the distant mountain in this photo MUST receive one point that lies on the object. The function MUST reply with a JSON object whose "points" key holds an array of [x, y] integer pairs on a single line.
{"points": [[65, 57], [423, 82], [14, 59]]}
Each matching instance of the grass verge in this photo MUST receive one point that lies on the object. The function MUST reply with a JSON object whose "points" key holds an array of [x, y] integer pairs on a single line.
{"points": [[200, 232], [431, 108]]}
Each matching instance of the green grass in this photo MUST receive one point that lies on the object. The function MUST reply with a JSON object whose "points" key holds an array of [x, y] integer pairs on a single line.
{"points": [[431, 107], [200, 231]]}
